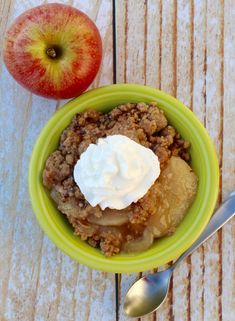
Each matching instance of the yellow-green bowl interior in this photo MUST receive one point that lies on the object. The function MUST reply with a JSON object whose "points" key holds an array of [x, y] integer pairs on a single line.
{"points": [[204, 163]]}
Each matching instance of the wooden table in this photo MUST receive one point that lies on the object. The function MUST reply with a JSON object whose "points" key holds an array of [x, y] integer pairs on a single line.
{"points": [[186, 48]]}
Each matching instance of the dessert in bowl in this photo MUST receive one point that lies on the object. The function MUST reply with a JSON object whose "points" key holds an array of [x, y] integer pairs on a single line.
{"points": [[122, 177], [165, 130]]}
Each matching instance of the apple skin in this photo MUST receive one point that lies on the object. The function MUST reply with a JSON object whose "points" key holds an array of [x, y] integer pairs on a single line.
{"points": [[53, 50]]}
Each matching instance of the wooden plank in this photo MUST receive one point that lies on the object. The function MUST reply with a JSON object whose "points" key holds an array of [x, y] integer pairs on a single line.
{"points": [[184, 76], [95, 308], [6, 220], [168, 84], [153, 25], [86, 285], [153, 43], [39, 284], [214, 108], [18, 228], [130, 68], [138, 61], [199, 107], [199, 60], [149, 60], [145, 55], [198, 79], [48, 285], [228, 167], [104, 22], [159, 46], [181, 291], [184, 51], [67, 282], [197, 284], [103, 284], [121, 39], [168, 46], [207, 105], [135, 62]]}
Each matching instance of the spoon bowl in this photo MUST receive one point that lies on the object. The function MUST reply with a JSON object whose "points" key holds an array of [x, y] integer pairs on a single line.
{"points": [[147, 293]]}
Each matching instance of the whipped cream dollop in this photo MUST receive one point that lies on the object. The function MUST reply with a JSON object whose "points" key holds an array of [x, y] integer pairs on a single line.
{"points": [[116, 172]]}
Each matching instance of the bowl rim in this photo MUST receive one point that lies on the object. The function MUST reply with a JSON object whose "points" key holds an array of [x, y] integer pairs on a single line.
{"points": [[106, 264]]}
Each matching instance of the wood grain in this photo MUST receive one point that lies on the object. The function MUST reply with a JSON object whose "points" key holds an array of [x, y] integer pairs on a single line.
{"points": [[184, 47]]}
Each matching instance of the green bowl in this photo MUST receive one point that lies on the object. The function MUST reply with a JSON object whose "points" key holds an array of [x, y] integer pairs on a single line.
{"points": [[204, 163]]}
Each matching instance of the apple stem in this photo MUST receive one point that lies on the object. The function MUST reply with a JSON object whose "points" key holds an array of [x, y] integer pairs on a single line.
{"points": [[51, 52]]}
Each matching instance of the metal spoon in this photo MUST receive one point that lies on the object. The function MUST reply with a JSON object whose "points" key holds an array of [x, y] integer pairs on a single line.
{"points": [[148, 293]]}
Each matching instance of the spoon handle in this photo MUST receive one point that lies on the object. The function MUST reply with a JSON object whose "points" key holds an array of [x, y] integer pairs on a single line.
{"points": [[224, 213]]}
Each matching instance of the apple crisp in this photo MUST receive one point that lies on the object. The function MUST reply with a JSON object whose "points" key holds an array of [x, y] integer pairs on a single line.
{"points": [[157, 213]]}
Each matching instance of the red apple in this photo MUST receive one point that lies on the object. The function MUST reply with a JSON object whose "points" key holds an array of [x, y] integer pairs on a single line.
{"points": [[53, 50]]}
